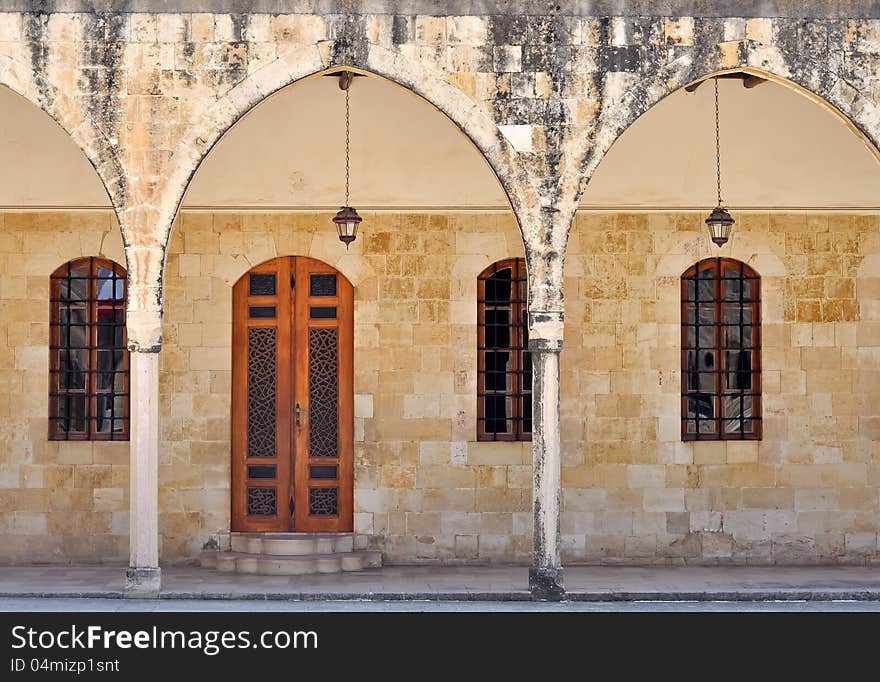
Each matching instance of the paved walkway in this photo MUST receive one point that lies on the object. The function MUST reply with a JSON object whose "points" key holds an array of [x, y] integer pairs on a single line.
{"points": [[53, 605], [460, 583]]}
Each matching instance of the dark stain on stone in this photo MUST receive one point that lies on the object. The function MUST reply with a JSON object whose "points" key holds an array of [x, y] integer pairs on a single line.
{"points": [[35, 26], [351, 46], [508, 29], [103, 48], [620, 58], [239, 24], [401, 29], [234, 58]]}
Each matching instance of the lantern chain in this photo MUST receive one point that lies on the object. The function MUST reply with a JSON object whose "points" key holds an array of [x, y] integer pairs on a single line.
{"points": [[347, 144], [717, 143]]}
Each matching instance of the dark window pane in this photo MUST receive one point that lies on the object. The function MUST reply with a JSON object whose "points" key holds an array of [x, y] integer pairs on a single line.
{"points": [[261, 284], [69, 314], [74, 285], [323, 471], [706, 285], [739, 369], [73, 365], [705, 318], [322, 285], [497, 377], [498, 287], [701, 361], [732, 289], [701, 405], [527, 413], [77, 336], [497, 329], [497, 408], [261, 471], [322, 312], [733, 336], [72, 411], [266, 312]]}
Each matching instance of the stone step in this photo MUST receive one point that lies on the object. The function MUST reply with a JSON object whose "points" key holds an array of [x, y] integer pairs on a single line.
{"points": [[291, 544], [300, 564]]}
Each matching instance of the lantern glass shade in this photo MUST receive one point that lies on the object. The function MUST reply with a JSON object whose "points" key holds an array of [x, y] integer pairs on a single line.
{"points": [[347, 221], [719, 223]]}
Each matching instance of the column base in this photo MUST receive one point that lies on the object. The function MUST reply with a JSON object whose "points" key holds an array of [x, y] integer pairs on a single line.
{"points": [[143, 583], [546, 584]]}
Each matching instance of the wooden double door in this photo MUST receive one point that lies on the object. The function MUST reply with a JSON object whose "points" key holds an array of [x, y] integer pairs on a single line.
{"points": [[292, 398]]}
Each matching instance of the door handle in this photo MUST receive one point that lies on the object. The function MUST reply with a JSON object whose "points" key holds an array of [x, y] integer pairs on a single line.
{"points": [[298, 413]]}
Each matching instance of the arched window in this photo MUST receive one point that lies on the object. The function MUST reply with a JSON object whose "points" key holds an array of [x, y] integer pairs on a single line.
{"points": [[504, 364], [721, 351], [88, 363]]}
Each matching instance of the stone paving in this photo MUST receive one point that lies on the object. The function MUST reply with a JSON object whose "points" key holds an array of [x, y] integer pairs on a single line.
{"points": [[56, 605], [463, 583]]}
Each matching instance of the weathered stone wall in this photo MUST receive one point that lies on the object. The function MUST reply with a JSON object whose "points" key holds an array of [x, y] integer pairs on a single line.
{"points": [[59, 501], [424, 488], [542, 94], [808, 491]]}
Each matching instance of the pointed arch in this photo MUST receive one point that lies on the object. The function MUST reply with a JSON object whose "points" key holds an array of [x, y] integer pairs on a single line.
{"points": [[89, 137], [299, 63], [626, 101]]}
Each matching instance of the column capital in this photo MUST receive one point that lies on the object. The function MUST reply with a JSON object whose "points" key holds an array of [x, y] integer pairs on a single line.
{"points": [[545, 330], [144, 314], [144, 330]]}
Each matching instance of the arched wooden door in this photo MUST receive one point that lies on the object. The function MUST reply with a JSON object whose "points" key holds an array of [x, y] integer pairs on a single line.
{"points": [[292, 398]]}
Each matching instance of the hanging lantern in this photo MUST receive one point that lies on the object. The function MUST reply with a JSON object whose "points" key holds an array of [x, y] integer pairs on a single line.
{"points": [[347, 218], [719, 221]]}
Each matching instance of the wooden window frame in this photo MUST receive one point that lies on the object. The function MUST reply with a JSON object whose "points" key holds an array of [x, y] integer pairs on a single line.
{"points": [[90, 390], [518, 348], [719, 392]]}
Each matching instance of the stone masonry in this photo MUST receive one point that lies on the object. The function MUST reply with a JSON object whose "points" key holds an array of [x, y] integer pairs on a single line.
{"points": [[543, 94]]}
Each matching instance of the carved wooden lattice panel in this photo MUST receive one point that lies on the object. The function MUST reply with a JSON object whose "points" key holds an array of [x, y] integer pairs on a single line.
{"points": [[261, 501], [262, 364], [323, 392], [323, 501]]}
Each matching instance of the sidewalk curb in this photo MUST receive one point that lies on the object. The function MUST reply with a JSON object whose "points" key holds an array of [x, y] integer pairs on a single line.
{"points": [[724, 595]]}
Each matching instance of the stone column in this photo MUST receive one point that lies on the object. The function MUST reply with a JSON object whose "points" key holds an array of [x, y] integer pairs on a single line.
{"points": [[144, 326], [143, 576], [545, 343]]}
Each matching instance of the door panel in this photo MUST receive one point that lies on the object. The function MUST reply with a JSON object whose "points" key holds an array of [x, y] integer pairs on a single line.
{"points": [[261, 412], [292, 398], [323, 439]]}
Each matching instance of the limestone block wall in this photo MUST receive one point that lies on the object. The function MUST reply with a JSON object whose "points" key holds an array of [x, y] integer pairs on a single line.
{"points": [[424, 489], [808, 492], [59, 501]]}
